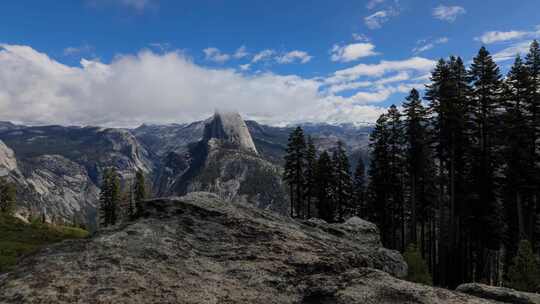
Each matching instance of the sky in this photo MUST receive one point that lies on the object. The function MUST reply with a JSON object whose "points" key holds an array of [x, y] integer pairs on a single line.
{"points": [[126, 62]]}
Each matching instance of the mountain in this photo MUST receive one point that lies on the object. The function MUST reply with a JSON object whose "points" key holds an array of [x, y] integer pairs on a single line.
{"points": [[226, 162], [57, 169], [201, 249]]}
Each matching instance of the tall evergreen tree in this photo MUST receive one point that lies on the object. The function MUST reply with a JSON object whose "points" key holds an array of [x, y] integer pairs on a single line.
{"points": [[342, 181], [109, 198], [359, 189], [325, 187], [417, 158], [295, 160], [532, 62], [309, 174], [379, 175], [518, 172], [485, 107]]}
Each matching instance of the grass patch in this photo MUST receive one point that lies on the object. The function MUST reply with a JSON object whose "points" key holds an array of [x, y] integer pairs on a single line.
{"points": [[18, 238]]}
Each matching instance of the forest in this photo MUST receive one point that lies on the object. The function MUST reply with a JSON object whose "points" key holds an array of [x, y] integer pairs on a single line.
{"points": [[454, 173]]}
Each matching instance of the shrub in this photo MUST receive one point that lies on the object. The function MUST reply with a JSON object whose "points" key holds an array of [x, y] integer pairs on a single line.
{"points": [[418, 269], [523, 273]]}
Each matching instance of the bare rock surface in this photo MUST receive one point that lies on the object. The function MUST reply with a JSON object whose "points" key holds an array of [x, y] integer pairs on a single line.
{"points": [[200, 249], [502, 294]]}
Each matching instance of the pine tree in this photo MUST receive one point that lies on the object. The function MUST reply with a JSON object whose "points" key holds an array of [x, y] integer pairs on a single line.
{"points": [[309, 174], [342, 181], [8, 193], [359, 189], [109, 198], [518, 172], [397, 178], [532, 62], [379, 175], [486, 103], [417, 157], [295, 159], [524, 273], [139, 192], [325, 187]]}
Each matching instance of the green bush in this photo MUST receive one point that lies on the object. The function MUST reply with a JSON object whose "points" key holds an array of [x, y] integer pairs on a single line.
{"points": [[418, 269], [523, 273]]}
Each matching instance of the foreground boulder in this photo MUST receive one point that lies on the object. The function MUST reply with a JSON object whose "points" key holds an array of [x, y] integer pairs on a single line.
{"points": [[199, 249], [501, 294]]}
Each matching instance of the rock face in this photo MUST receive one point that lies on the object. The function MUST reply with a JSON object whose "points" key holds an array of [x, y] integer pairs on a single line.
{"points": [[229, 129], [501, 294], [225, 162], [200, 249], [57, 169]]}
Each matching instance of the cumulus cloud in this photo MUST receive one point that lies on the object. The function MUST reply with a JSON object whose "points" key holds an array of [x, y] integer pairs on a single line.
{"points": [[294, 56], [352, 52], [427, 44], [448, 13], [215, 55], [160, 88]]}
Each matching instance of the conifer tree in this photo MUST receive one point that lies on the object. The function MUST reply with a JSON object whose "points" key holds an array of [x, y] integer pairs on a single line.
{"points": [[342, 181], [359, 189], [379, 175], [325, 187], [417, 270], [109, 198], [532, 62], [518, 172], [295, 159], [417, 157], [309, 174]]}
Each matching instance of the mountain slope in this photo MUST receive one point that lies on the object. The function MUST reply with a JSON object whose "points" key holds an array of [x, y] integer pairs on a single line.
{"points": [[199, 249]]}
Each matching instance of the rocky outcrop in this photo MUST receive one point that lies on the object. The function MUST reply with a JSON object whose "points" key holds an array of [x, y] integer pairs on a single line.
{"points": [[229, 129], [200, 249], [501, 294]]}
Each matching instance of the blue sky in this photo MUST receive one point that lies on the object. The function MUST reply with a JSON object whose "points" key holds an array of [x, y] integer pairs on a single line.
{"points": [[125, 62]]}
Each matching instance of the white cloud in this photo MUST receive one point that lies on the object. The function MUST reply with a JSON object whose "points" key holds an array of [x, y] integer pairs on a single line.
{"points": [[373, 3], [245, 67], [160, 88], [496, 36], [292, 56], [77, 50], [448, 13], [263, 55], [360, 37], [414, 64], [215, 55], [241, 52], [510, 52], [138, 5], [352, 52], [375, 21], [425, 45]]}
